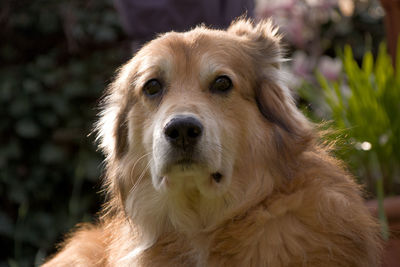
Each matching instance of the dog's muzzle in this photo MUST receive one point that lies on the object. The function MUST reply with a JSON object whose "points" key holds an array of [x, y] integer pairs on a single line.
{"points": [[187, 154]]}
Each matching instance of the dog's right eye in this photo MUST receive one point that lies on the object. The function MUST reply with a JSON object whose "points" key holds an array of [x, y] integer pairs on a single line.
{"points": [[221, 84], [152, 87]]}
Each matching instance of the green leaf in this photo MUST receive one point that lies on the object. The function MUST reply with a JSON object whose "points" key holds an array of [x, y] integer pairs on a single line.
{"points": [[367, 64]]}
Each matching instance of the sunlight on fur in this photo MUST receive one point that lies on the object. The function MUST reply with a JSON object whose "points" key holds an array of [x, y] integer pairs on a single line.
{"points": [[210, 163]]}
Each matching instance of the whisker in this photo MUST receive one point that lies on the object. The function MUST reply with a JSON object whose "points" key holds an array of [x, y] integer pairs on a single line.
{"points": [[137, 161], [140, 177], [133, 169]]}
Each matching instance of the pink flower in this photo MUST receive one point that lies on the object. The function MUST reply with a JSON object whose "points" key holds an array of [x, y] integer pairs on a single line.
{"points": [[329, 67]]}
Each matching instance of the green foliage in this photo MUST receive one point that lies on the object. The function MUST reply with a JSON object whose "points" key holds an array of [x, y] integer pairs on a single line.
{"points": [[364, 106], [367, 107], [57, 57]]}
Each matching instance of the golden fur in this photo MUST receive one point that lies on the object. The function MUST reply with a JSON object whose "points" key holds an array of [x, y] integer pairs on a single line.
{"points": [[282, 201]]}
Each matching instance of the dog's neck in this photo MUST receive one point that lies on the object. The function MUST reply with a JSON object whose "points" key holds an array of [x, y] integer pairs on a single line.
{"points": [[189, 213]]}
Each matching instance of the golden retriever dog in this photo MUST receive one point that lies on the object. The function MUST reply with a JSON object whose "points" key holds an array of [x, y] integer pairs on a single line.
{"points": [[210, 163]]}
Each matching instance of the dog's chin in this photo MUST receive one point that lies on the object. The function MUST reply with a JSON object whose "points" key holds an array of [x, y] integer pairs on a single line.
{"points": [[186, 176]]}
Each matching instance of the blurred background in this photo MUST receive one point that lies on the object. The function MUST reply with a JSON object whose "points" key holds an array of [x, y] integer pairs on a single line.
{"points": [[57, 57]]}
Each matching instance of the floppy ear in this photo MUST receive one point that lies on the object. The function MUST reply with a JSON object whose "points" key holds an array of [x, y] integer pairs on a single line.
{"points": [[292, 131], [112, 128]]}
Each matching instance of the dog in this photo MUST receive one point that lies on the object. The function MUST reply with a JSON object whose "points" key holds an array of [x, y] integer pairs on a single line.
{"points": [[210, 163]]}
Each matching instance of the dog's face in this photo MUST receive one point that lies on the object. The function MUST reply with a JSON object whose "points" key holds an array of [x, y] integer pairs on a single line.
{"points": [[194, 96], [202, 113]]}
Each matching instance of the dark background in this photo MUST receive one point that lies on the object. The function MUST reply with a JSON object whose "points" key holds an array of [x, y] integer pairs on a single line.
{"points": [[56, 58]]}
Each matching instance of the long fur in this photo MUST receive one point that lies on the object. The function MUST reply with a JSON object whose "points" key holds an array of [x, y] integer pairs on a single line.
{"points": [[283, 200]]}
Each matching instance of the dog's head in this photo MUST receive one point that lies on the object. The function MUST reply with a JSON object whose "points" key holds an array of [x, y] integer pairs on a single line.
{"points": [[202, 113]]}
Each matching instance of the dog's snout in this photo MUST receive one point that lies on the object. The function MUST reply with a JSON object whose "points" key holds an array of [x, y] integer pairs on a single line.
{"points": [[183, 132]]}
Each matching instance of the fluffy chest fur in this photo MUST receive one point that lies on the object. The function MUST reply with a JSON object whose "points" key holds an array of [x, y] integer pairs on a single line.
{"points": [[288, 228]]}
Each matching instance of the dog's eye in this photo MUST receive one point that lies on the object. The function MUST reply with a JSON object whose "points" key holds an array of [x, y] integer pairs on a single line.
{"points": [[221, 84], [152, 87]]}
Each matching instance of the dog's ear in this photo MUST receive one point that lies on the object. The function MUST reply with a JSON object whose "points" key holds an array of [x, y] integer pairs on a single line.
{"points": [[262, 39], [292, 131], [112, 127]]}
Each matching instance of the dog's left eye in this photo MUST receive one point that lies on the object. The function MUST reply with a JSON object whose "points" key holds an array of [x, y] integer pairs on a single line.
{"points": [[221, 84], [152, 87]]}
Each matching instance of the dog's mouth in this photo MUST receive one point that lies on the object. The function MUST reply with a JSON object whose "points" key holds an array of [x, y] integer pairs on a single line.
{"points": [[187, 170], [191, 175], [183, 163]]}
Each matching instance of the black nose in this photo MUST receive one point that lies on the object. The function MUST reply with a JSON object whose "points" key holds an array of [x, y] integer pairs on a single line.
{"points": [[183, 132]]}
